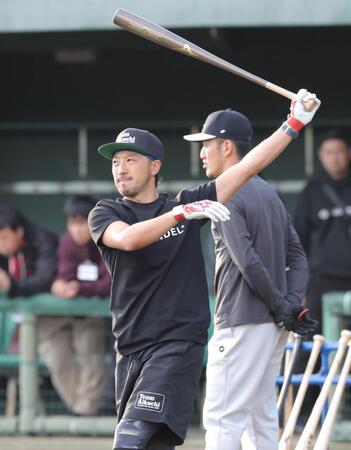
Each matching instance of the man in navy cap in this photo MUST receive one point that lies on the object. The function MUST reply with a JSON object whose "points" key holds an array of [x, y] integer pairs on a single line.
{"points": [[159, 299], [260, 281]]}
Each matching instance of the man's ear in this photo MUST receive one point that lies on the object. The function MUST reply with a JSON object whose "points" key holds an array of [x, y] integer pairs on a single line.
{"points": [[230, 150], [20, 232], [155, 166]]}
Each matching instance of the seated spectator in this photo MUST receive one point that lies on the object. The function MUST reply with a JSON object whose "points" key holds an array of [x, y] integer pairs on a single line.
{"points": [[27, 259], [73, 347], [27, 255], [323, 222]]}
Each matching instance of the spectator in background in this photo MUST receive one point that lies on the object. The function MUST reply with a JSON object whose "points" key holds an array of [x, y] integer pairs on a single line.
{"points": [[27, 255], [73, 347], [323, 222], [27, 259]]}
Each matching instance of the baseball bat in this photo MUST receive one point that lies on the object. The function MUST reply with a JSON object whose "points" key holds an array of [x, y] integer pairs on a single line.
{"points": [[159, 35], [286, 438], [288, 399], [287, 376], [305, 440], [323, 440]]}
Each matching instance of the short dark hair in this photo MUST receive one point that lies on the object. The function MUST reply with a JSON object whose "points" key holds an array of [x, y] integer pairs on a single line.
{"points": [[10, 217], [78, 205], [242, 147], [334, 134]]}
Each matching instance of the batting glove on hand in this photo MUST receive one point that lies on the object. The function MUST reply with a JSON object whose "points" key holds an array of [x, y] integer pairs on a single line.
{"points": [[204, 209], [298, 116], [296, 318]]}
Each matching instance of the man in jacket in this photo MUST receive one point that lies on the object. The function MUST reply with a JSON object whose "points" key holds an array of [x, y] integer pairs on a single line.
{"points": [[323, 222], [27, 255]]}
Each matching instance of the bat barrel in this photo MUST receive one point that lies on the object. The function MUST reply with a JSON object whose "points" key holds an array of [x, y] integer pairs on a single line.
{"points": [[159, 35]]}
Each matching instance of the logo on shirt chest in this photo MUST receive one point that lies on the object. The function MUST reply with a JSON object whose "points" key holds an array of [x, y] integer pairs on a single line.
{"points": [[175, 231]]}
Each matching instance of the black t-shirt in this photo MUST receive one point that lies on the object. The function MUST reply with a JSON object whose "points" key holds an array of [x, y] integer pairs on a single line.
{"points": [[159, 292]]}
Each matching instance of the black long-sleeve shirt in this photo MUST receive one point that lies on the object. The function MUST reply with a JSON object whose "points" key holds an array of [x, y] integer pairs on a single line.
{"points": [[325, 227], [260, 262]]}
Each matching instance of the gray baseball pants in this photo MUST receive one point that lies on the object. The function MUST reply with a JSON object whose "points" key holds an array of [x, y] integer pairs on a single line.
{"points": [[243, 365]]}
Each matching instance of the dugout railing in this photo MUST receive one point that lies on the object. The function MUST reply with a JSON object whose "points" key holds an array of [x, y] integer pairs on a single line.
{"points": [[30, 419], [336, 310], [28, 367]]}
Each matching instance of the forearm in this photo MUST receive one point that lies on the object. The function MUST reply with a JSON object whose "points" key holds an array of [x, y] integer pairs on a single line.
{"points": [[256, 160], [297, 275], [138, 235], [262, 285]]}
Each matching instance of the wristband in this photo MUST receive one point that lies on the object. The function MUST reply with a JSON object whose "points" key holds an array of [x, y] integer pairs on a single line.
{"points": [[294, 123], [302, 314], [289, 131], [178, 213]]}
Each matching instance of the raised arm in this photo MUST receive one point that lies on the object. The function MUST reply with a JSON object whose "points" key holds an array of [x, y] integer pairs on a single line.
{"points": [[268, 150]]}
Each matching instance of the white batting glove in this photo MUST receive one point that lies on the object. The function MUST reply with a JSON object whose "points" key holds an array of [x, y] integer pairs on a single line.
{"points": [[298, 116], [204, 209]]}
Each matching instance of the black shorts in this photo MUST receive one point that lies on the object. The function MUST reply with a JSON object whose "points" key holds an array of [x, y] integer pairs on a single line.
{"points": [[159, 384]]}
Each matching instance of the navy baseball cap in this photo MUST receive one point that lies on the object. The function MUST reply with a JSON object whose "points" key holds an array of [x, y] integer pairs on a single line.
{"points": [[225, 124], [140, 141]]}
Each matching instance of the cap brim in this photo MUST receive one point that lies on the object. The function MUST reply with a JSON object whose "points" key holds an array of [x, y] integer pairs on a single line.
{"points": [[108, 150], [198, 137]]}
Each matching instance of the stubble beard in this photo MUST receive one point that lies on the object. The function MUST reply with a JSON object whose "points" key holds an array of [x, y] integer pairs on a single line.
{"points": [[133, 191]]}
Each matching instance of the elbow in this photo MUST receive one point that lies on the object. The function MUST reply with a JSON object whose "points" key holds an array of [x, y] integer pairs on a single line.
{"points": [[128, 244], [130, 247], [249, 170], [120, 241], [125, 244]]}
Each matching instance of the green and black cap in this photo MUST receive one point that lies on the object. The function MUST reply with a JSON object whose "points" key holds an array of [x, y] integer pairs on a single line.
{"points": [[139, 141]]}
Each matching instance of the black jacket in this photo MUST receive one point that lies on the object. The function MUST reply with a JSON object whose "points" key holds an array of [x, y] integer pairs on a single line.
{"points": [[40, 256], [324, 225]]}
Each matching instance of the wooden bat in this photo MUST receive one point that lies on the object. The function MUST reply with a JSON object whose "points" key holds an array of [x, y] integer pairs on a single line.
{"points": [[286, 438], [305, 441], [289, 372], [323, 440], [155, 33], [288, 400]]}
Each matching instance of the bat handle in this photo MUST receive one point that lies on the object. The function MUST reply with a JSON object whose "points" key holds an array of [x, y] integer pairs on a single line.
{"points": [[308, 105]]}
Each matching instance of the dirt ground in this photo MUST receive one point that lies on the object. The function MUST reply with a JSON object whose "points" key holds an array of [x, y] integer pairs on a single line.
{"points": [[194, 442]]}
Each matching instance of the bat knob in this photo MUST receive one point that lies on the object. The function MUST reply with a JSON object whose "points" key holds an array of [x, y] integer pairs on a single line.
{"points": [[309, 105]]}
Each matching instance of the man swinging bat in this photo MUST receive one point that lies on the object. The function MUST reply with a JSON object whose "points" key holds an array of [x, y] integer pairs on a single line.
{"points": [[150, 243]]}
